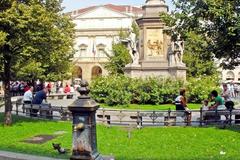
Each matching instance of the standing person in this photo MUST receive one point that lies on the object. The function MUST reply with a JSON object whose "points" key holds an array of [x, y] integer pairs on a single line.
{"points": [[181, 105], [49, 87], [231, 88], [28, 96], [38, 99], [227, 97]]}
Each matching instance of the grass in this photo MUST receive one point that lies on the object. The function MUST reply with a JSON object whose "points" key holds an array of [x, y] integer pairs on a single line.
{"points": [[163, 143], [149, 107]]}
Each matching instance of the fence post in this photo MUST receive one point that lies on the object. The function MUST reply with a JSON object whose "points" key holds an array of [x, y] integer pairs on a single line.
{"points": [[31, 110], [153, 118], [201, 116], [103, 117], [216, 116], [139, 121], [230, 120], [17, 107], [40, 111]]}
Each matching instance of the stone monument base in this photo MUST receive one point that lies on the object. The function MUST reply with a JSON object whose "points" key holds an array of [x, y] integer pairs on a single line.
{"points": [[178, 72]]}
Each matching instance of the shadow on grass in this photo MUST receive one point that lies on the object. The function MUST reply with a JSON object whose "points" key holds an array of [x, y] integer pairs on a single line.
{"points": [[16, 119]]}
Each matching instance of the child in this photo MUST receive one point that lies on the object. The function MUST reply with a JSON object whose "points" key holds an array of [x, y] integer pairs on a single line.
{"points": [[205, 105]]}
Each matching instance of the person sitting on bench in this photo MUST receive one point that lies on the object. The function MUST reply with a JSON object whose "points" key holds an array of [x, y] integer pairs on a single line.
{"points": [[38, 99], [28, 96], [181, 105]]}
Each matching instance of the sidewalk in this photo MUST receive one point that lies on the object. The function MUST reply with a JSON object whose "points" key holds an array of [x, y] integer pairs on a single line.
{"points": [[5, 155]]}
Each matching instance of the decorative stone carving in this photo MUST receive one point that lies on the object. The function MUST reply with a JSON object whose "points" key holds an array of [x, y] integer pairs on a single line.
{"points": [[131, 44], [178, 48]]}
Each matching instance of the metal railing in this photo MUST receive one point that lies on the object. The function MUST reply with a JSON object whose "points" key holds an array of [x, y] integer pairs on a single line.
{"points": [[136, 117]]}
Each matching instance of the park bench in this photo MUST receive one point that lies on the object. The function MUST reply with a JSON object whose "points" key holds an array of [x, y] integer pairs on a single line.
{"points": [[209, 117], [61, 95], [45, 110]]}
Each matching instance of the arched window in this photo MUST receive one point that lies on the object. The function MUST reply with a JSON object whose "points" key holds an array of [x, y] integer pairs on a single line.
{"points": [[230, 75], [96, 71]]}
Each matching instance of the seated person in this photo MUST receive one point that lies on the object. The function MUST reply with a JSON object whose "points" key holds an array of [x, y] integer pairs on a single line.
{"points": [[218, 101], [227, 97], [204, 109], [218, 105], [181, 105], [205, 105], [28, 96], [38, 99]]}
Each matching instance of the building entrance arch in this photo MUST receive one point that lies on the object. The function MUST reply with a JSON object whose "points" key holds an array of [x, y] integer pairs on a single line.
{"points": [[96, 72]]}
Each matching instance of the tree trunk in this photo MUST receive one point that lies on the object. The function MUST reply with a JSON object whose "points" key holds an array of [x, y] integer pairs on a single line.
{"points": [[7, 94]]}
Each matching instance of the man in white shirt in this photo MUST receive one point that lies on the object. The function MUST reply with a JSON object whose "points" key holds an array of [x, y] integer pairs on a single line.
{"points": [[28, 96]]}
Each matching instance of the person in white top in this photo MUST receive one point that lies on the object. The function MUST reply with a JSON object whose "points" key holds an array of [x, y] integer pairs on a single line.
{"points": [[205, 105], [226, 94], [28, 96]]}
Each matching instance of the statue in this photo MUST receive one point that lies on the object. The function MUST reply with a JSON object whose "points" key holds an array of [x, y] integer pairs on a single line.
{"points": [[131, 44], [178, 48], [175, 52]]}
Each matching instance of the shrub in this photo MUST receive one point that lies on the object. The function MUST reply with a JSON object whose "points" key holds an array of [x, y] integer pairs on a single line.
{"points": [[119, 89], [200, 88]]}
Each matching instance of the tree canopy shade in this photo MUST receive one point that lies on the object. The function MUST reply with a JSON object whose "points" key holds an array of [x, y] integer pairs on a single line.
{"points": [[36, 41], [216, 21]]}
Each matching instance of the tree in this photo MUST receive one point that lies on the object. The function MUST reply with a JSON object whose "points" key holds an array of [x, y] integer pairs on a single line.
{"points": [[118, 60], [198, 61], [36, 39], [217, 22]]}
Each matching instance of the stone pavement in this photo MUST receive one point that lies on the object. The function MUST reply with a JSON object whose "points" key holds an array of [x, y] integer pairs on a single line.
{"points": [[5, 155]]}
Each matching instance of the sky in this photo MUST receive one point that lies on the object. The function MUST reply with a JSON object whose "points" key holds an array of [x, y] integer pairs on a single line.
{"points": [[71, 5]]}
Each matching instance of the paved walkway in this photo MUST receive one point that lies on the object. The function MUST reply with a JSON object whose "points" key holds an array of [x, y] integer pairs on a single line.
{"points": [[5, 155]]}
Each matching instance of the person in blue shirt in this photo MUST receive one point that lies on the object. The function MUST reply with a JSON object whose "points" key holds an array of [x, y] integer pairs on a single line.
{"points": [[40, 96], [38, 99]]}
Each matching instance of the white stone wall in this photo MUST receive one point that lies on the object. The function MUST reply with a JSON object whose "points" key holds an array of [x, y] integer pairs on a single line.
{"points": [[100, 26], [229, 74]]}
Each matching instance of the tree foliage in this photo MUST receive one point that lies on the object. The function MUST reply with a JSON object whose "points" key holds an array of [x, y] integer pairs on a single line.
{"points": [[216, 21], [36, 39], [198, 61], [118, 59]]}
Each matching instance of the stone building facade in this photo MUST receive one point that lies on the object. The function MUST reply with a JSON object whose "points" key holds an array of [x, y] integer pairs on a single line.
{"points": [[97, 28]]}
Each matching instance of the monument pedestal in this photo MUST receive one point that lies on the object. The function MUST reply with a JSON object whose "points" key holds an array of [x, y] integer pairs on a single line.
{"points": [[177, 72], [155, 46]]}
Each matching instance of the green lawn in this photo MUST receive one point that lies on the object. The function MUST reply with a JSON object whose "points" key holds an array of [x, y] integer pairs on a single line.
{"points": [[163, 143], [149, 107]]}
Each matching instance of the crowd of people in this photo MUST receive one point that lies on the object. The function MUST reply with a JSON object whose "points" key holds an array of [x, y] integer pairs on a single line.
{"points": [[41, 92], [18, 88], [233, 88]]}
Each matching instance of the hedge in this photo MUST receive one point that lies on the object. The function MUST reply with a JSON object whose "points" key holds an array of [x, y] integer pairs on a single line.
{"points": [[121, 90]]}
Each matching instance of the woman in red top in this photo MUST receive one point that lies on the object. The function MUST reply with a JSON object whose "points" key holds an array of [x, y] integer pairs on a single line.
{"points": [[49, 87], [67, 89]]}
